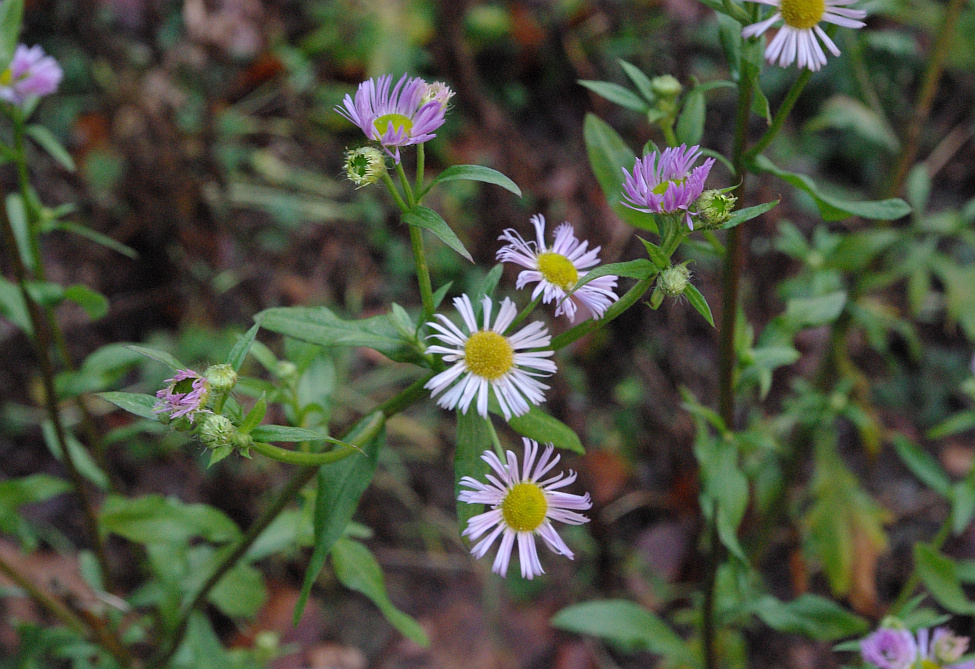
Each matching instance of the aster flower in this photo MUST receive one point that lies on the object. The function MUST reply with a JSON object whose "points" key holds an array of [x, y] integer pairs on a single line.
{"points": [[485, 358], [31, 74], [944, 650], [407, 114], [521, 507], [890, 648], [796, 39], [664, 183], [184, 395], [558, 268]]}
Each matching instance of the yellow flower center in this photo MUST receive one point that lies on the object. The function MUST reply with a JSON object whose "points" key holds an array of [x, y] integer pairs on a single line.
{"points": [[928, 664], [524, 507], [397, 121], [662, 187], [488, 355], [802, 14], [558, 270], [6, 77]]}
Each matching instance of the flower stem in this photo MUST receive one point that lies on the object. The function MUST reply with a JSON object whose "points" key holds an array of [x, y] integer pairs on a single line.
{"points": [[420, 160], [591, 325], [406, 185], [780, 115], [495, 441], [364, 430], [929, 86], [397, 198]]}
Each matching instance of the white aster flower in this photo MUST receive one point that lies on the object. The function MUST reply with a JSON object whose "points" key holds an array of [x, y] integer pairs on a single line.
{"points": [[486, 358], [521, 507], [558, 268], [796, 39]]}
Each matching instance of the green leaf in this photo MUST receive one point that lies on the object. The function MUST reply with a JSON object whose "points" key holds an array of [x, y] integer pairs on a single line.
{"points": [[475, 173], [358, 570], [538, 425], [94, 303], [690, 123], [627, 625], [726, 485], [834, 208], [255, 415], [639, 79], [47, 141], [473, 438], [842, 112], [239, 352], [159, 356], [340, 485], [82, 459], [319, 325], [154, 519], [811, 616], [810, 312], [12, 306], [15, 493], [631, 269], [960, 422], [656, 254], [487, 287], [747, 214], [608, 156], [940, 576], [617, 94], [424, 217], [137, 403], [17, 215], [97, 237], [287, 433], [697, 301], [11, 13], [962, 504], [922, 465], [240, 593]]}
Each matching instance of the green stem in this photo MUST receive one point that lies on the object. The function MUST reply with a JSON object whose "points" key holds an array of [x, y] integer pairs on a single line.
{"points": [[42, 344], [406, 185], [524, 313], [591, 325], [495, 442], [780, 115], [929, 86], [420, 160], [422, 271], [668, 131], [364, 430], [302, 458], [403, 207]]}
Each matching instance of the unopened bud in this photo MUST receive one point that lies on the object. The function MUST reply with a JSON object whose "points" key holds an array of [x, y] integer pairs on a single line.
{"points": [[715, 207], [217, 431], [666, 86], [673, 280], [222, 378], [365, 165]]}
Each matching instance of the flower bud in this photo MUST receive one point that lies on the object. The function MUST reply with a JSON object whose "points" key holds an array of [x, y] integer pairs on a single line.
{"points": [[222, 378], [439, 92], [217, 431], [365, 165], [714, 207], [948, 647], [673, 280], [666, 86]]}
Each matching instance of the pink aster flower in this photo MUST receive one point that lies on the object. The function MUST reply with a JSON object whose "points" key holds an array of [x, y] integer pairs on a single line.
{"points": [[484, 359], [890, 648], [184, 395], [522, 506], [407, 114], [558, 268], [943, 649], [665, 183], [31, 74], [797, 38]]}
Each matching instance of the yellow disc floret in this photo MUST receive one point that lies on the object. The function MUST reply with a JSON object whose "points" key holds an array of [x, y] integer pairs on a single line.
{"points": [[6, 77], [557, 270], [524, 507], [397, 121], [802, 14], [488, 355]]}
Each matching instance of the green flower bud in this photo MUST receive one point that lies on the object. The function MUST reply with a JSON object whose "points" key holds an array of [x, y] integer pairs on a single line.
{"points": [[241, 441], [222, 378], [666, 86], [365, 165], [673, 280], [217, 431], [286, 370], [715, 207]]}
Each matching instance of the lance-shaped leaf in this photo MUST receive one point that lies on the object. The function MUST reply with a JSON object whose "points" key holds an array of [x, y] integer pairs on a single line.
{"points": [[137, 403], [474, 173], [545, 429], [747, 214], [243, 345], [424, 217], [473, 438]]}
